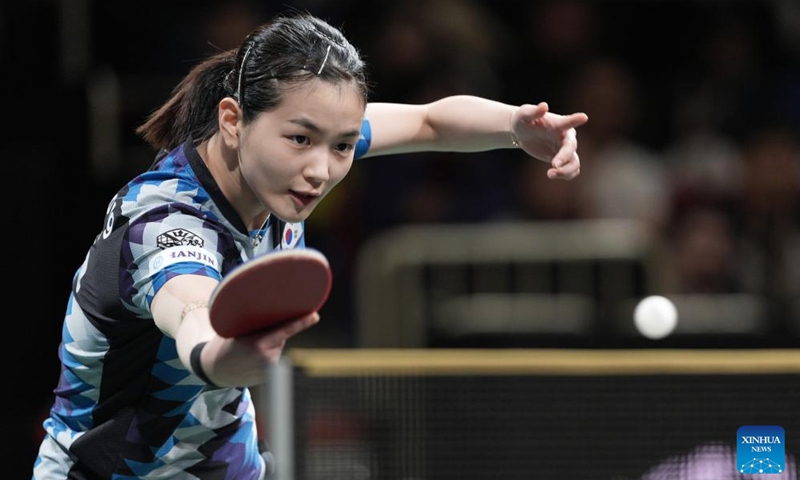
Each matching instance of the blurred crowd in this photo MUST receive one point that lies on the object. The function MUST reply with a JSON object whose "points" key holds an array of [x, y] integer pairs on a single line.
{"points": [[694, 114], [694, 111]]}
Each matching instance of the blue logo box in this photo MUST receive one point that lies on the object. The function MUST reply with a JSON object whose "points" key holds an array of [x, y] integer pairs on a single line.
{"points": [[760, 449]]}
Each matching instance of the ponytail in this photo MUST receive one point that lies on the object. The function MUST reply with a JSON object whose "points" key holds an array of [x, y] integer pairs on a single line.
{"points": [[191, 111]]}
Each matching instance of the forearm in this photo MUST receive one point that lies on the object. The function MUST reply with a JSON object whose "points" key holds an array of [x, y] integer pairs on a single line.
{"points": [[180, 310], [460, 123], [469, 124]]}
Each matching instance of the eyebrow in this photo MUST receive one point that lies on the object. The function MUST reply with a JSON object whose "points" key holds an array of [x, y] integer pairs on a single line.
{"points": [[314, 128]]}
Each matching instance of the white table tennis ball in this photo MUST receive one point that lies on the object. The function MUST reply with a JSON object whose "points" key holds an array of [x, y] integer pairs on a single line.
{"points": [[655, 317]]}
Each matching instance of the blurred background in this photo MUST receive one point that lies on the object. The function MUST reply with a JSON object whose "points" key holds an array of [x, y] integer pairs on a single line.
{"points": [[689, 186]]}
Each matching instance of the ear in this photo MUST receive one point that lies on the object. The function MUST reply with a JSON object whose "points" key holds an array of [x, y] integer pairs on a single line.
{"points": [[230, 119]]}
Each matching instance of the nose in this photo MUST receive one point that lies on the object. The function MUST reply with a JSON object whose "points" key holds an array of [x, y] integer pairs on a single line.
{"points": [[317, 169]]}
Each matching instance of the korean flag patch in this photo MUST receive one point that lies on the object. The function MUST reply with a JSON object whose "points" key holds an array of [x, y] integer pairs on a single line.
{"points": [[292, 233]]}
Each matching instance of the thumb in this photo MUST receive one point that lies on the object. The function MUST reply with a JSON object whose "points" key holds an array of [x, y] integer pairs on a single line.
{"points": [[528, 113]]}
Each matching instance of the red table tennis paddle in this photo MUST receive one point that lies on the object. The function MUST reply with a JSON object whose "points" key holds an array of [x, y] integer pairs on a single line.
{"points": [[270, 290]]}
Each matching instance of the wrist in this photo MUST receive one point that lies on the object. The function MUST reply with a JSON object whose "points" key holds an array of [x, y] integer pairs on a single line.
{"points": [[196, 365], [512, 136]]}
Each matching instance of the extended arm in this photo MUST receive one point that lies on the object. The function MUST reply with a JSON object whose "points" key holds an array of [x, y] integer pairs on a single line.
{"points": [[178, 310], [464, 123]]}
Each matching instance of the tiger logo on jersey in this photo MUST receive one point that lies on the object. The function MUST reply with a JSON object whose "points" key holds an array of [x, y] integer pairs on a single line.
{"points": [[178, 237]]}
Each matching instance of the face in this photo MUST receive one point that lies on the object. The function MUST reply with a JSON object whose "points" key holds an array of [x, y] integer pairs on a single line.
{"points": [[292, 156]]}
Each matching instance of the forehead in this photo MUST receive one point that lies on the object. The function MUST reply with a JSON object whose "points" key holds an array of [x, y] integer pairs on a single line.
{"points": [[334, 106]]}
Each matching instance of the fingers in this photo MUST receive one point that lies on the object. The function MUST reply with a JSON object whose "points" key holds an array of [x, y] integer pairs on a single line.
{"points": [[277, 336], [296, 326], [528, 113], [567, 171], [241, 360], [567, 122], [566, 164], [575, 120]]}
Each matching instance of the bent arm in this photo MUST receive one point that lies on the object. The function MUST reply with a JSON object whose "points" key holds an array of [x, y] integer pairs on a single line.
{"points": [[178, 311]]}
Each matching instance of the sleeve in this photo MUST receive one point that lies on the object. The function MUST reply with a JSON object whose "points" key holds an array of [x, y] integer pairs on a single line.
{"points": [[169, 242], [364, 140]]}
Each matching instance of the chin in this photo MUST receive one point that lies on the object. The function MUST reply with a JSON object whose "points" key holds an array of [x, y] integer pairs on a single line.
{"points": [[293, 216], [291, 211]]}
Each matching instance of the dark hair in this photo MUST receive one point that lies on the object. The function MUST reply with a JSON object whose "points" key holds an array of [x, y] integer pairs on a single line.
{"points": [[283, 52]]}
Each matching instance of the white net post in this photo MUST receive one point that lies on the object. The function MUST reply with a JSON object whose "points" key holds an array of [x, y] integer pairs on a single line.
{"points": [[280, 420]]}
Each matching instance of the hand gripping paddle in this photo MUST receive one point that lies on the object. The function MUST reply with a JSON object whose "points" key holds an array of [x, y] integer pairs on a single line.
{"points": [[269, 290]]}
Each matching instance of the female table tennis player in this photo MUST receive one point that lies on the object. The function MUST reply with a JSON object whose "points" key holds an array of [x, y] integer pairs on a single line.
{"points": [[250, 142]]}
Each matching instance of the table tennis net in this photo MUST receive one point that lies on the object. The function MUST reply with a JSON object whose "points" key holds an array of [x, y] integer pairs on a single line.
{"points": [[534, 418]]}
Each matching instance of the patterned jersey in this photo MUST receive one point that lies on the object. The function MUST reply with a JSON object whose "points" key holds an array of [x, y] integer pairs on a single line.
{"points": [[125, 407]]}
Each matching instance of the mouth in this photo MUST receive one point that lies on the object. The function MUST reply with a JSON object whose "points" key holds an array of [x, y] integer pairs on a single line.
{"points": [[303, 199]]}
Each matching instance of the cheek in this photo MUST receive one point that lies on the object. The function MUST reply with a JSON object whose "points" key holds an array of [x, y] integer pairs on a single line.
{"points": [[267, 164], [339, 170]]}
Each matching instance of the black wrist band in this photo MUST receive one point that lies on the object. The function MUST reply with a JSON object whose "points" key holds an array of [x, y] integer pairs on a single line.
{"points": [[194, 362]]}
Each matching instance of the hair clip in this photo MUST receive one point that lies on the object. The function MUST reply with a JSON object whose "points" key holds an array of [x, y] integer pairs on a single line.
{"points": [[241, 70], [324, 60]]}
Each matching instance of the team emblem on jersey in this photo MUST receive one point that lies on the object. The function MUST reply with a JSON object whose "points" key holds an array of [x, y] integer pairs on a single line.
{"points": [[178, 237]]}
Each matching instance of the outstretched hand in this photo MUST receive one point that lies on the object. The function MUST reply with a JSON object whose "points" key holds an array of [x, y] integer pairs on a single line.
{"points": [[549, 137], [241, 361]]}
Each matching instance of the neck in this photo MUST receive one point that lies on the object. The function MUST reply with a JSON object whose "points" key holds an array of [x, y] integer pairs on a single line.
{"points": [[223, 163]]}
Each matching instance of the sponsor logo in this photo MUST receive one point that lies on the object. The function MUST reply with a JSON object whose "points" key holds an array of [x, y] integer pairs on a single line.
{"points": [[178, 236], [180, 254]]}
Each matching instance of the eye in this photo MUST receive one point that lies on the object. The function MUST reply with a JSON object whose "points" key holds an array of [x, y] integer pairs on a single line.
{"points": [[300, 139], [344, 147]]}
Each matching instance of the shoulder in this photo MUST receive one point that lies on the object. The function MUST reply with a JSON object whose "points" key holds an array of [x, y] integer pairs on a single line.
{"points": [[365, 139]]}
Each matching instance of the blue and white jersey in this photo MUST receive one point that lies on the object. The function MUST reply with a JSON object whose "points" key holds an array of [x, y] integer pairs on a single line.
{"points": [[125, 407]]}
